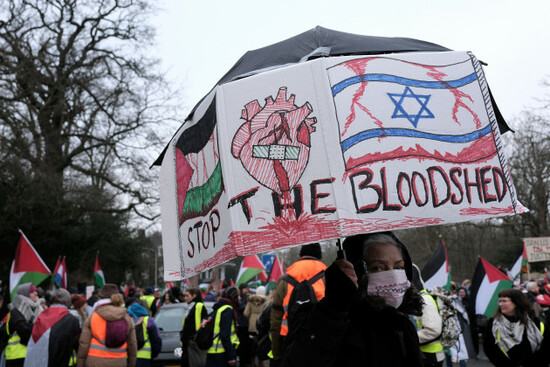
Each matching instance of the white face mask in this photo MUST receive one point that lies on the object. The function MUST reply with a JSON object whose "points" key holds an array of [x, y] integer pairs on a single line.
{"points": [[390, 285]]}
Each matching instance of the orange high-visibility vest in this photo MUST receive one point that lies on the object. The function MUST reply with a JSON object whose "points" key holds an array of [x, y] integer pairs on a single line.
{"points": [[302, 270], [97, 345]]}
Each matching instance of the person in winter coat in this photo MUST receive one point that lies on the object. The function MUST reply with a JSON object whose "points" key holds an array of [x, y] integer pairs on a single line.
{"points": [[192, 322], [108, 338], [150, 337], [514, 335], [429, 332], [362, 321], [252, 311], [17, 326], [55, 333], [223, 351], [308, 266], [79, 308], [463, 349]]}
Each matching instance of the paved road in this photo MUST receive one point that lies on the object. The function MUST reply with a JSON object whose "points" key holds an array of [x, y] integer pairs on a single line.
{"points": [[482, 360]]}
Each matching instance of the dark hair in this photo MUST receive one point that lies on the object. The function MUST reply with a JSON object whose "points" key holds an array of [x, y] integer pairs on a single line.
{"points": [[313, 250], [523, 307], [196, 292]]}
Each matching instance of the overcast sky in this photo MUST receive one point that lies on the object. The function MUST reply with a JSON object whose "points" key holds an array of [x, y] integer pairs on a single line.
{"points": [[199, 40]]}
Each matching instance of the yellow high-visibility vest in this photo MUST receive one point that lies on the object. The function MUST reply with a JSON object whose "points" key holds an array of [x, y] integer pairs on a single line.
{"points": [[145, 351], [14, 349], [217, 346]]}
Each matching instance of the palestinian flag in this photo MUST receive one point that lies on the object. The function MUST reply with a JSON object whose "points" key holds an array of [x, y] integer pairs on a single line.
{"points": [[436, 271], [98, 273], [250, 267], [198, 175], [520, 266], [60, 273], [27, 267], [54, 331], [275, 273], [486, 284]]}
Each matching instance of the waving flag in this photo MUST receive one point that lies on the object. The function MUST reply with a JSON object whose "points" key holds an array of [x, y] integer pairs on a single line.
{"points": [[60, 273], [275, 273], [27, 267], [250, 267], [486, 284], [436, 271], [520, 266], [98, 273], [422, 112]]}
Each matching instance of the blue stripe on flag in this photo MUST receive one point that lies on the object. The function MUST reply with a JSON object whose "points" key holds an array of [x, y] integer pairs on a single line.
{"points": [[405, 81], [375, 133]]}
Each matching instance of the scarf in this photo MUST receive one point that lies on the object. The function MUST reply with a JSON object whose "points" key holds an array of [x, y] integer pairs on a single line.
{"points": [[136, 311], [511, 333], [28, 308]]}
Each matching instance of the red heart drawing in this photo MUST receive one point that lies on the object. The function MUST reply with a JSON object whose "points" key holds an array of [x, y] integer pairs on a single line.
{"points": [[274, 141]]}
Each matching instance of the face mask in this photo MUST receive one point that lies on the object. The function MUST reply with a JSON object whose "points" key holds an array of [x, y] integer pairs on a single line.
{"points": [[390, 285]]}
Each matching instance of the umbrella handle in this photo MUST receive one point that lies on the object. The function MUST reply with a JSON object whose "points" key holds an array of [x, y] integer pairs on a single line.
{"points": [[340, 254]]}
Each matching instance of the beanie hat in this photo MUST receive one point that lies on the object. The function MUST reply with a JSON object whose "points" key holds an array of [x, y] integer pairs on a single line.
{"points": [[108, 290], [313, 250], [260, 291], [78, 301], [25, 289], [149, 290]]}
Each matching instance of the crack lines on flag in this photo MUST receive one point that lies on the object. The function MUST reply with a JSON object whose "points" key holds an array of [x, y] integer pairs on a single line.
{"points": [[407, 97]]}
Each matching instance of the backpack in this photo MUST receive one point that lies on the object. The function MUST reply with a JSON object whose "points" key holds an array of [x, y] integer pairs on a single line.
{"points": [[263, 341], [450, 329], [117, 332], [139, 335], [205, 335], [302, 295]]}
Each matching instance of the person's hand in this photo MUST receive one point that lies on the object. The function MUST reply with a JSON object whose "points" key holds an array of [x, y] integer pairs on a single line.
{"points": [[347, 268], [231, 362]]}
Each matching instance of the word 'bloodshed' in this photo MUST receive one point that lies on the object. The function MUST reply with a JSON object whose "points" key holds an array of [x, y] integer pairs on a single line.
{"points": [[370, 193]]}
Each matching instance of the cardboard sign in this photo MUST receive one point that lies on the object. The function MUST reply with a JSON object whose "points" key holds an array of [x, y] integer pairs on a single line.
{"points": [[331, 148], [537, 248]]}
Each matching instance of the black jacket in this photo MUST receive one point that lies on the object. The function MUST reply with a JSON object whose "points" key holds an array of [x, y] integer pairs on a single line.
{"points": [[18, 324], [342, 330], [520, 354], [188, 331]]}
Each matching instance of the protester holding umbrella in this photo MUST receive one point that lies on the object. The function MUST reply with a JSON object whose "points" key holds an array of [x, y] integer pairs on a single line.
{"points": [[363, 318], [514, 335]]}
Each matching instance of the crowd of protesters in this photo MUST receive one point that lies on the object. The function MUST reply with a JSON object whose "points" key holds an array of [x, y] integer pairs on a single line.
{"points": [[368, 307]]}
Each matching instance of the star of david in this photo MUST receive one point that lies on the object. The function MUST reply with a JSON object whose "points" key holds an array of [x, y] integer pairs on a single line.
{"points": [[399, 111]]}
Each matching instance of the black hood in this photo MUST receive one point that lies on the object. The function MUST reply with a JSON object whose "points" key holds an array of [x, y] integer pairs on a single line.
{"points": [[353, 246]]}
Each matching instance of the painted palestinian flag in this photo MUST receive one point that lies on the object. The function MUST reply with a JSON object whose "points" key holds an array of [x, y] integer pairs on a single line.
{"points": [[53, 338], [520, 266], [250, 267], [198, 167], [486, 284], [98, 273], [436, 271], [27, 267]]}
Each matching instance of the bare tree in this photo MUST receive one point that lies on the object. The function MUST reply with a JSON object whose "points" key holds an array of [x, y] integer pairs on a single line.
{"points": [[529, 158], [81, 102]]}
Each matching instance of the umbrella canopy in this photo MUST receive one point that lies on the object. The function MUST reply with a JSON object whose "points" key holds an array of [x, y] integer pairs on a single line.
{"points": [[323, 42], [353, 134]]}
